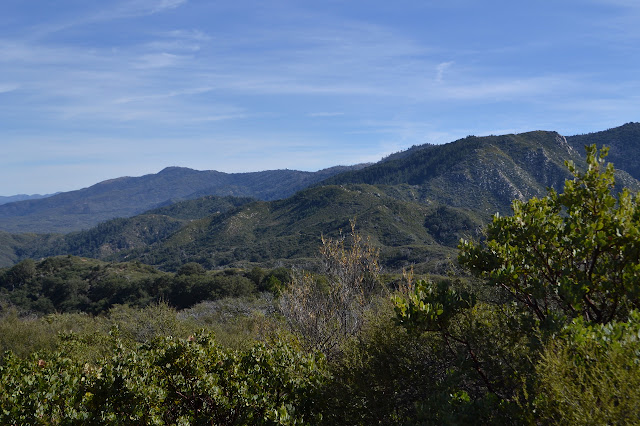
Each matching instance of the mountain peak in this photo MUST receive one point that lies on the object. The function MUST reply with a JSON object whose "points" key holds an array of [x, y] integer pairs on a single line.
{"points": [[174, 169]]}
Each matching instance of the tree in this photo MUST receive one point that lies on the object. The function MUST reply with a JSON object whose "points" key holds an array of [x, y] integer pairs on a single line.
{"points": [[191, 268], [327, 309], [567, 255], [21, 274]]}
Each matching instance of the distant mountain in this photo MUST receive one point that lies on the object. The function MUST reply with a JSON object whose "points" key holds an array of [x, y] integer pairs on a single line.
{"points": [[128, 196], [483, 174], [414, 206], [21, 197], [228, 231]]}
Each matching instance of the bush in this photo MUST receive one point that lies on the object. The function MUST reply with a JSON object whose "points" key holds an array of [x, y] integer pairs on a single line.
{"points": [[328, 309], [591, 375], [167, 381]]}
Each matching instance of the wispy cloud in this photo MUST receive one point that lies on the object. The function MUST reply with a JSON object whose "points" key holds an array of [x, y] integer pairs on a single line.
{"points": [[172, 94], [325, 114], [506, 88], [5, 88], [440, 70], [132, 9], [160, 60], [124, 9], [194, 35]]}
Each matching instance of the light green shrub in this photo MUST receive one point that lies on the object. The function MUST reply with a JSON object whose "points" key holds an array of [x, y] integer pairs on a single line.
{"points": [[591, 375]]}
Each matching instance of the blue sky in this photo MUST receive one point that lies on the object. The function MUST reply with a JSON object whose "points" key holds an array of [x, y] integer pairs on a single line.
{"points": [[92, 90]]}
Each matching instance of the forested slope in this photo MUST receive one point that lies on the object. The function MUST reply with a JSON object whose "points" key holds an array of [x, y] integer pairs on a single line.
{"points": [[290, 230]]}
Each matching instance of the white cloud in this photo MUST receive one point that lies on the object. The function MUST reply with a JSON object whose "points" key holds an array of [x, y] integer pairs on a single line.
{"points": [[195, 35], [167, 4], [221, 117], [172, 94], [175, 45], [441, 68]]}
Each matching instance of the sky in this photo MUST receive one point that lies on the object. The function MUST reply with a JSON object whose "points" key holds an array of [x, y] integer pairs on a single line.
{"points": [[96, 89]]}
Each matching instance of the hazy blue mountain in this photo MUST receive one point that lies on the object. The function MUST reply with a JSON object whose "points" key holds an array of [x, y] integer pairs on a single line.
{"points": [[22, 197], [128, 196]]}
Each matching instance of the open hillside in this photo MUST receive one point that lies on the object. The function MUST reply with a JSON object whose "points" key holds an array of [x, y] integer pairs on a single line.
{"points": [[128, 196]]}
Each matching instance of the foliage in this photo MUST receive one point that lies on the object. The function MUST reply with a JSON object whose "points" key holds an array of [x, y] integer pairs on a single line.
{"points": [[566, 255], [167, 381], [328, 309], [383, 375], [563, 256], [236, 322], [70, 284], [590, 374], [426, 306], [487, 349]]}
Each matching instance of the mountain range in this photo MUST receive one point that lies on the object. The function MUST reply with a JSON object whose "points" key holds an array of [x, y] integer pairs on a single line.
{"points": [[128, 196], [414, 205], [21, 197]]}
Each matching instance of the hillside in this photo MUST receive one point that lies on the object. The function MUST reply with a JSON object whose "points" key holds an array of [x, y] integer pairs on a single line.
{"points": [[484, 174], [481, 173], [623, 143], [128, 196], [290, 230], [116, 235]]}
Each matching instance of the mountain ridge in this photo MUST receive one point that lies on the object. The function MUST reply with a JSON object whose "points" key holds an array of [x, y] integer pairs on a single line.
{"points": [[127, 196], [4, 199], [414, 207]]}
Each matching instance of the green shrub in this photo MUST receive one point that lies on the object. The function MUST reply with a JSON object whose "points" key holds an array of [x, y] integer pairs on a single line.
{"points": [[167, 381], [591, 375]]}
